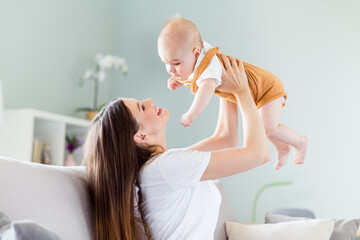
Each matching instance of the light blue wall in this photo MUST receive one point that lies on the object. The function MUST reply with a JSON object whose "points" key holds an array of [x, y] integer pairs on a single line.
{"points": [[46, 45], [313, 46]]}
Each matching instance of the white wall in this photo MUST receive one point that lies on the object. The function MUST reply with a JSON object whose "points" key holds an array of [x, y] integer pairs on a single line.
{"points": [[45, 47], [313, 46]]}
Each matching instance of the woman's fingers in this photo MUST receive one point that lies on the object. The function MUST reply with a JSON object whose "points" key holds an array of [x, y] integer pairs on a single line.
{"points": [[233, 76], [226, 61], [233, 61], [240, 64]]}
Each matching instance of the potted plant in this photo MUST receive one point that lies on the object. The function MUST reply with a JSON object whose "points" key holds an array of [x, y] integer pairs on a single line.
{"points": [[73, 144], [98, 75]]}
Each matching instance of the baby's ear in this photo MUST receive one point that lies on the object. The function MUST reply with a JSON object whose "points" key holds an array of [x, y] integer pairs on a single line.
{"points": [[196, 52]]}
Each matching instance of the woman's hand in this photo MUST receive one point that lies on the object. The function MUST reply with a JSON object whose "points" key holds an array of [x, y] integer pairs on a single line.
{"points": [[234, 78]]}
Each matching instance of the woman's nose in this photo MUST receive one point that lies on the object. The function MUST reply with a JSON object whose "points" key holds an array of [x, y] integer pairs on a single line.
{"points": [[149, 101]]}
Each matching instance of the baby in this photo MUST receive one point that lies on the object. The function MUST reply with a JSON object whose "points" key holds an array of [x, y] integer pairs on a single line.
{"points": [[195, 63]]}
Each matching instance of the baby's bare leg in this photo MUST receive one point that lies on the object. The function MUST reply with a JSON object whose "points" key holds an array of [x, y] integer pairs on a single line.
{"points": [[270, 114]]}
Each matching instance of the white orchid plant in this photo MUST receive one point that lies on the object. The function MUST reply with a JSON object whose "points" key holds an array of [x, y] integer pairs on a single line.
{"points": [[98, 75]]}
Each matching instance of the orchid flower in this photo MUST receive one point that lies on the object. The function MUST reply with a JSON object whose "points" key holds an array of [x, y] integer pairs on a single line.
{"points": [[99, 75]]}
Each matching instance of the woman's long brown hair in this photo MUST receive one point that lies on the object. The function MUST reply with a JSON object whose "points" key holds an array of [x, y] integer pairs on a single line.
{"points": [[113, 164]]}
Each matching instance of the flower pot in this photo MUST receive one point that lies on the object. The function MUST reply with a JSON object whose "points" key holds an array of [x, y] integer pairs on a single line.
{"points": [[91, 114], [70, 161]]}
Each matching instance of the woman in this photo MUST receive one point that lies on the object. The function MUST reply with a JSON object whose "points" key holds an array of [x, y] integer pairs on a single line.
{"points": [[140, 189]]}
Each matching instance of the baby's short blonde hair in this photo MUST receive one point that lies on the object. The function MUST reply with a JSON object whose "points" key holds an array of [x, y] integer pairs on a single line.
{"points": [[179, 28]]}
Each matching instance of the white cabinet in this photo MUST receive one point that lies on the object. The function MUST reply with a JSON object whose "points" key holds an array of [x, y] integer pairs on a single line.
{"points": [[22, 126]]}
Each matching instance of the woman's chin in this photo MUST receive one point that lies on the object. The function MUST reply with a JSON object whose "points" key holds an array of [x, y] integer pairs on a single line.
{"points": [[166, 113], [163, 111]]}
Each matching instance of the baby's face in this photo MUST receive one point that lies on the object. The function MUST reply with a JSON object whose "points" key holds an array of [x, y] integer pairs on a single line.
{"points": [[179, 60]]}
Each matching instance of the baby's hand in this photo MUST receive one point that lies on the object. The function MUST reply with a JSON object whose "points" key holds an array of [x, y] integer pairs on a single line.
{"points": [[187, 119], [173, 83]]}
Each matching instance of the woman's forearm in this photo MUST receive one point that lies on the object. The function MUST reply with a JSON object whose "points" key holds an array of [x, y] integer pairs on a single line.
{"points": [[255, 152], [211, 144], [253, 128], [228, 121], [226, 133]]}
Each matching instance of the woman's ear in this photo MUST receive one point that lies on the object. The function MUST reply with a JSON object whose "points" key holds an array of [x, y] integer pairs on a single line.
{"points": [[140, 138]]}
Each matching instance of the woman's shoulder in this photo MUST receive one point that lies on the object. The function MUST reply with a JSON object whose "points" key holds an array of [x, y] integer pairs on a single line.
{"points": [[181, 152], [168, 154], [175, 154], [155, 163], [176, 167], [173, 151]]}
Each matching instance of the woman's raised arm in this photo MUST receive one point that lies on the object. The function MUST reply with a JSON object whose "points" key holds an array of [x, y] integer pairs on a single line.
{"points": [[231, 161], [226, 132]]}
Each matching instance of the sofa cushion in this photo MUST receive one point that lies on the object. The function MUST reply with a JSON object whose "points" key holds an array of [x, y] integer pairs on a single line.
{"points": [[25, 230], [317, 229], [343, 229], [55, 197], [4, 220]]}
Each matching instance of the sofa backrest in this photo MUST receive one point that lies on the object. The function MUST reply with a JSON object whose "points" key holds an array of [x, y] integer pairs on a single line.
{"points": [[225, 214], [54, 197]]}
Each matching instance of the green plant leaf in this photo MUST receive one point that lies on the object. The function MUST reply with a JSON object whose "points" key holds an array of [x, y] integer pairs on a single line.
{"points": [[85, 109], [101, 106]]}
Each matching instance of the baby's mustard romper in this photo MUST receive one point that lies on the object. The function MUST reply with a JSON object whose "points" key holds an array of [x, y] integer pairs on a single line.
{"points": [[264, 86]]}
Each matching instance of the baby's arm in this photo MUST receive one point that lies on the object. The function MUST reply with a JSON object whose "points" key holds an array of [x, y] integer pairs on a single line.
{"points": [[173, 83], [202, 98]]}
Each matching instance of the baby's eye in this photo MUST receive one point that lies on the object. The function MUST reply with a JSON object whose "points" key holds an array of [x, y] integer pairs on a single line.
{"points": [[176, 64], [143, 107]]}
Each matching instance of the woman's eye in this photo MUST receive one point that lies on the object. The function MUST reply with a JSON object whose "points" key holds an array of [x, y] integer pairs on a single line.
{"points": [[143, 107], [176, 64]]}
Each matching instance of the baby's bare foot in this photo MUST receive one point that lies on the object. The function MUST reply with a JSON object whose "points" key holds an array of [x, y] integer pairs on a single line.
{"points": [[282, 152], [300, 151]]}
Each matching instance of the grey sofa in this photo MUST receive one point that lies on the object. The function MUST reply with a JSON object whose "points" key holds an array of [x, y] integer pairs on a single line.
{"points": [[56, 198]]}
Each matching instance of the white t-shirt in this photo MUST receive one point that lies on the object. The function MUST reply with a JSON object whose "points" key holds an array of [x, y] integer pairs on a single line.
{"points": [[177, 204], [214, 70]]}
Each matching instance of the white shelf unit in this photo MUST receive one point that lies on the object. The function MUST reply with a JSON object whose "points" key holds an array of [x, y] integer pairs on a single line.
{"points": [[22, 126]]}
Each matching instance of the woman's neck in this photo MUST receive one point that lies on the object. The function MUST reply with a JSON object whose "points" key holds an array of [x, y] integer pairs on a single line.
{"points": [[162, 147]]}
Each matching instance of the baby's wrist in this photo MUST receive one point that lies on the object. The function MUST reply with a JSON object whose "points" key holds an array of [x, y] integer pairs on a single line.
{"points": [[192, 115]]}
